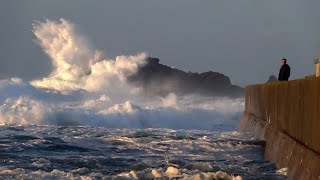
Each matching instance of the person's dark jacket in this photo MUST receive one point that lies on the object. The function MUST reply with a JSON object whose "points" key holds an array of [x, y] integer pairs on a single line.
{"points": [[284, 73]]}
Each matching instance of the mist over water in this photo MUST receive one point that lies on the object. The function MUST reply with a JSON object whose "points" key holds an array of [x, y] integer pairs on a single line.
{"points": [[85, 88]]}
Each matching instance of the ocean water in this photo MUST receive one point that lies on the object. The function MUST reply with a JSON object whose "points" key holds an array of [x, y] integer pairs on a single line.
{"points": [[85, 121], [59, 152]]}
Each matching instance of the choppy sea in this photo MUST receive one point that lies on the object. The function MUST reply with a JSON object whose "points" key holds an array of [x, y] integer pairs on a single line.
{"points": [[56, 152], [85, 121]]}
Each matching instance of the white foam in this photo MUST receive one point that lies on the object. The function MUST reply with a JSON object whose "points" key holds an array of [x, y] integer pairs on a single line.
{"points": [[282, 171], [84, 88], [76, 65], [171, 172]]}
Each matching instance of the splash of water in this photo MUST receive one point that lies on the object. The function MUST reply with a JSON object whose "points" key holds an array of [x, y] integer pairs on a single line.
{"points": [[76, 65], [84, 88]]}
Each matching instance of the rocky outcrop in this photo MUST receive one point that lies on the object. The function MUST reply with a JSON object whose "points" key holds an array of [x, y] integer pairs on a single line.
{"points": [[272, 79], [158, 79]]}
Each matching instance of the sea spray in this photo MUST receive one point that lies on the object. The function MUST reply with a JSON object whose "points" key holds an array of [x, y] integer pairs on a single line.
{"points": [[76, 65], [86, 89], [86, 121]]}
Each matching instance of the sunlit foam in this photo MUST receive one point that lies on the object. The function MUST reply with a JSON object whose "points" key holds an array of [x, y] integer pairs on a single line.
{"points": [[76, 65], [84, 88]]}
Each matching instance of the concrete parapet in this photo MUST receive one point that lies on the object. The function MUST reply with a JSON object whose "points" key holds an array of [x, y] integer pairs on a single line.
{"points": [[287, 116]]}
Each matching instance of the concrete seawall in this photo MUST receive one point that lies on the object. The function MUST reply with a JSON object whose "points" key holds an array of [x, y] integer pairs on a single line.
{"points": [[287, 116]]}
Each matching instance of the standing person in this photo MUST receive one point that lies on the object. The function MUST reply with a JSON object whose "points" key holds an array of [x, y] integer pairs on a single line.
{"points": [[284, 73]]}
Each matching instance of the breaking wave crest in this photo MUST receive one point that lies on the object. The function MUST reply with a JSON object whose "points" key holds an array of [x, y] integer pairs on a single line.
{"points": [[86, 89]]}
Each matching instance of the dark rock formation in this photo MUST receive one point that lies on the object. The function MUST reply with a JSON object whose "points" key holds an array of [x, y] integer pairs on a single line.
{"points": [[158, 79], [272, 79]]}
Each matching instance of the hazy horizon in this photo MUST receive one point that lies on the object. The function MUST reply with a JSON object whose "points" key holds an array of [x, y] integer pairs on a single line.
{"points": [[244, 40]]}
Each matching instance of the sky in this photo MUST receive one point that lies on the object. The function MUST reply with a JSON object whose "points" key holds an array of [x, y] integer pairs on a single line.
{"points": [[243, 39]]}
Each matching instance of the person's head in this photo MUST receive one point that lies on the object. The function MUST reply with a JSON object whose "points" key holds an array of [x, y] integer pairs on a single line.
{"points": [[284, 61]]}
